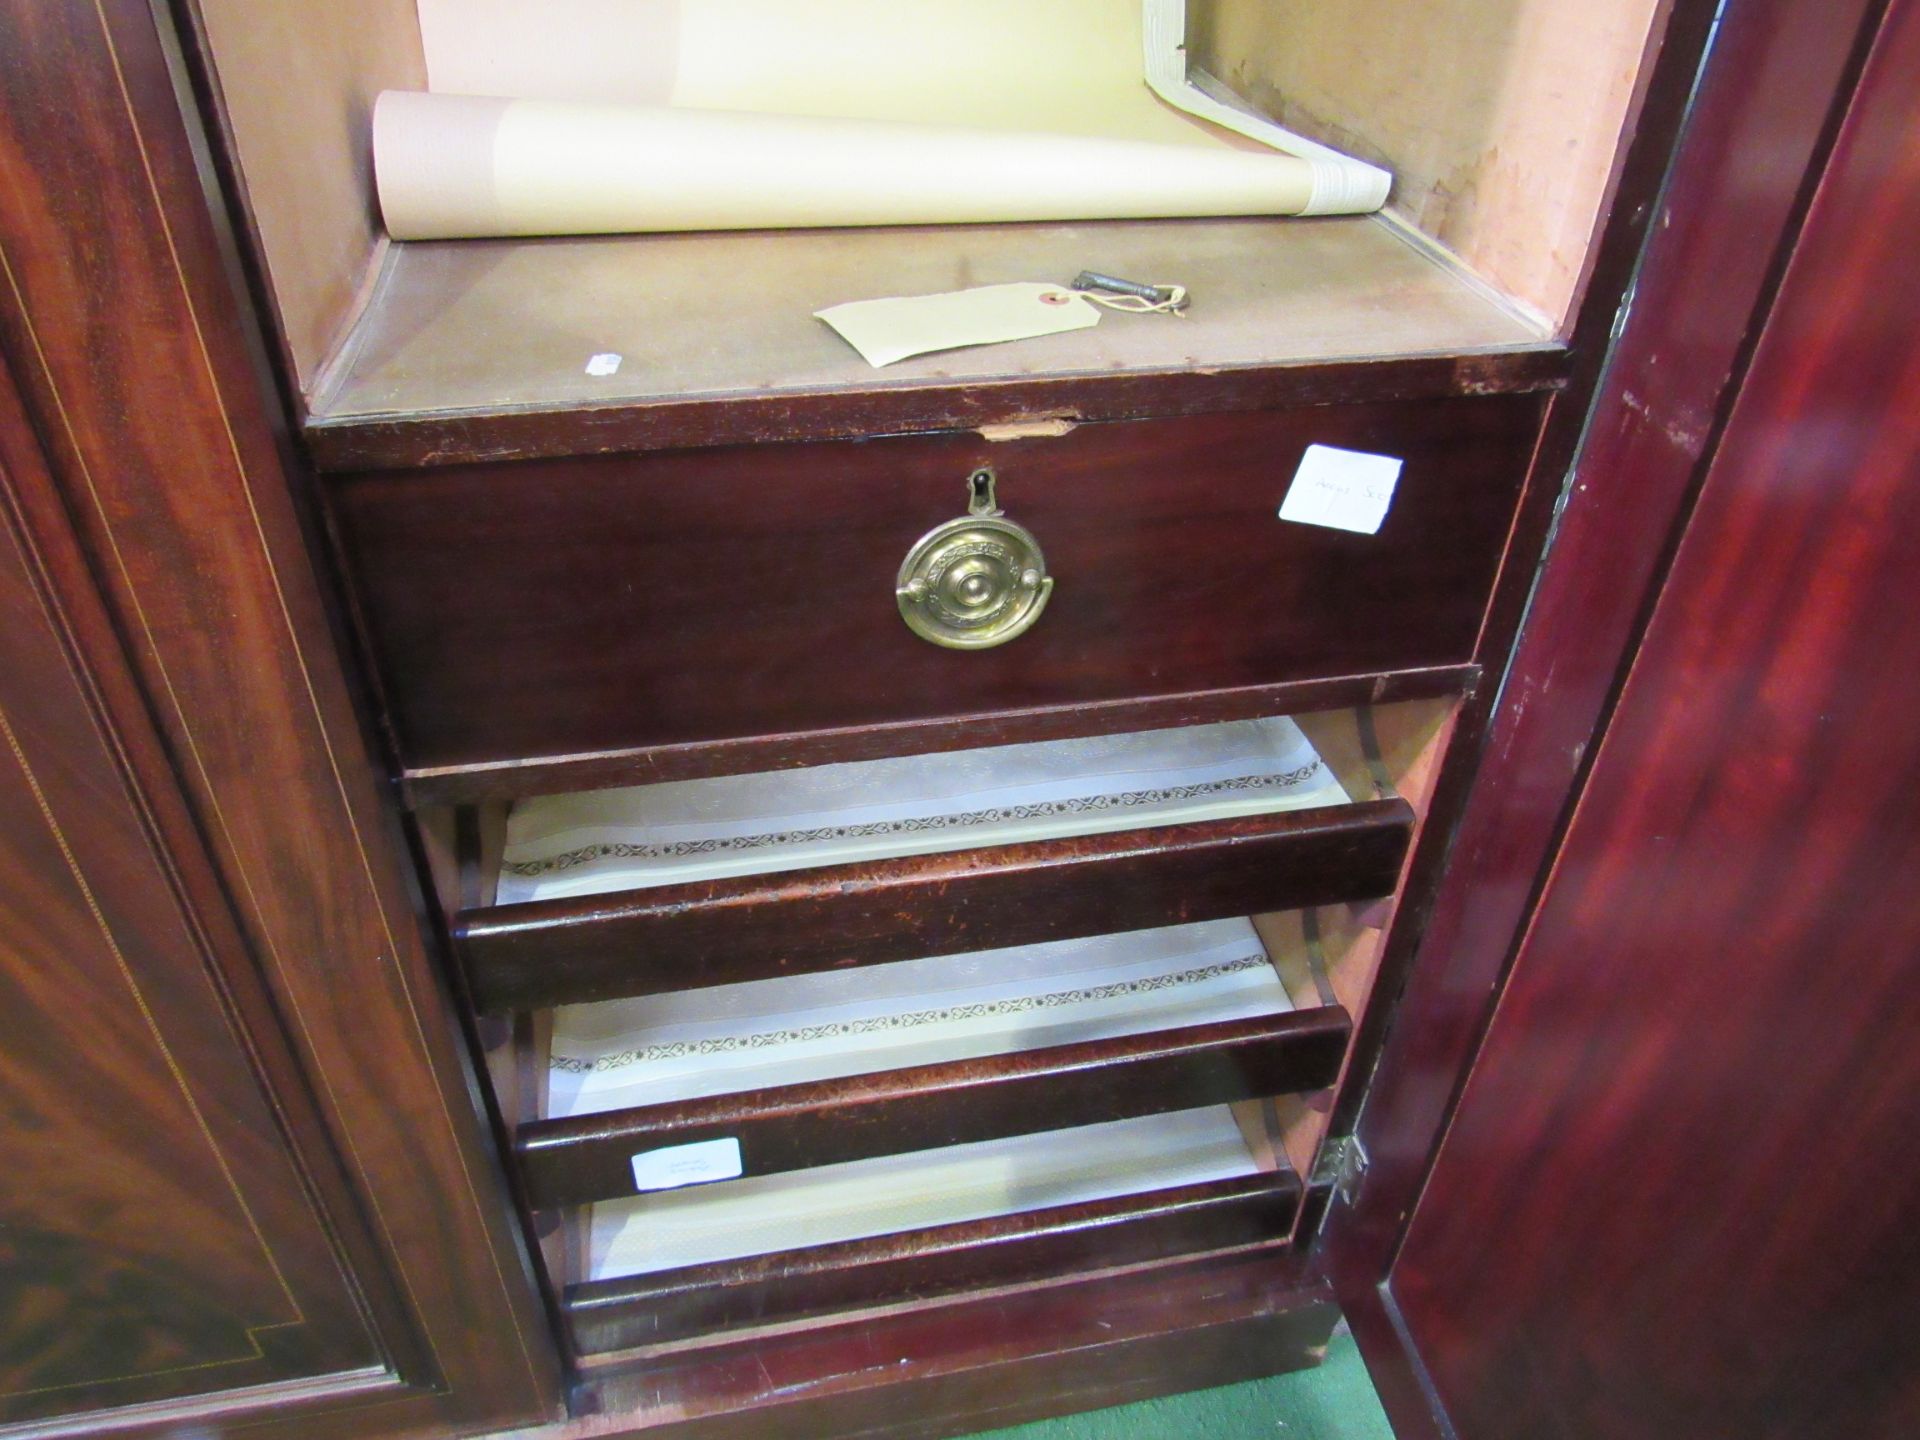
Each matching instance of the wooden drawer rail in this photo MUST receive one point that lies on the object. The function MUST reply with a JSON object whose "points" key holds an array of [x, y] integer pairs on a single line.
{"points": [[670, 1305], [855, 1117], [755, 927]]}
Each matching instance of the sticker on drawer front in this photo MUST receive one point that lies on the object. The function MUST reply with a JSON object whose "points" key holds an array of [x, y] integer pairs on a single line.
{"points": [[675, 1165], [1342, 489]]}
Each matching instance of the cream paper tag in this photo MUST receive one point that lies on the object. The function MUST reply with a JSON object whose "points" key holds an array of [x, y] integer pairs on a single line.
{"points": [[1342, 489], [888, 330], [672, 1166]]}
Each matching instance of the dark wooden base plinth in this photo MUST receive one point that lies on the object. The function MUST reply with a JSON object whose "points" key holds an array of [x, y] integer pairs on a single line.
{"points": [[952, 1367]]}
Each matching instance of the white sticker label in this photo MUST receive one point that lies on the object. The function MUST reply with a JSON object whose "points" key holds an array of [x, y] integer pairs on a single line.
{"points": [[677, 1165], [604, 365], [1341, 489]]}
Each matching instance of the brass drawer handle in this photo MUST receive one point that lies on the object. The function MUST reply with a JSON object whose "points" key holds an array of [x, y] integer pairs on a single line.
{"points": [[975, 582]]}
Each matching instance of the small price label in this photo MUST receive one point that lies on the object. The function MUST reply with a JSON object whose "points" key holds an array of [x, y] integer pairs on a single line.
{"points": [[1342, 489], [675, 1165]]}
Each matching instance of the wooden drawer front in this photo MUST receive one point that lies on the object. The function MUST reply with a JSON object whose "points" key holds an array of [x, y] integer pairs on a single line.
{"points": [[939, 1260], [825, 1122], [717, 932], [580, 607]]}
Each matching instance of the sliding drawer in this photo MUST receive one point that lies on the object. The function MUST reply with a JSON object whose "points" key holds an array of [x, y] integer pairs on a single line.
{"points": [[795, 1127], [686, 884], [789, 1074], [940, 1260], [659, 1268], [722, 931], [650, 606]]}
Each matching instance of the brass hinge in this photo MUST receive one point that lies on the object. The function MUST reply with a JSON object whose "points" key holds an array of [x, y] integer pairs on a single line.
{"points": [[1342, 1163]]}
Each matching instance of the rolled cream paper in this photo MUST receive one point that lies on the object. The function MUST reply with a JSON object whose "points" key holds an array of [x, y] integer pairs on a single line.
{"points": [[457, 166], [1098, 69], [1069, 67]]}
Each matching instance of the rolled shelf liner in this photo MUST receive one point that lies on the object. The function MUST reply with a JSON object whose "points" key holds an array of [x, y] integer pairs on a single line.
{"points": [[642, 836], [859, 1199], [674, 115], [728, 1038]]}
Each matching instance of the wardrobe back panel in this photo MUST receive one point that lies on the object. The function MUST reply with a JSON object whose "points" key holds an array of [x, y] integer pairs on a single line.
{"points": [[1499, 118]]}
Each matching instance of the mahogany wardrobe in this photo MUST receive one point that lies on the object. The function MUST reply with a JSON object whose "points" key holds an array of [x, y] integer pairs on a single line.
{"points": [[576, 861]]}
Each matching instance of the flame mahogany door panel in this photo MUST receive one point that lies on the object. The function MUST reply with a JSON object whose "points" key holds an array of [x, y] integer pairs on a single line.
{"points": [[1680, 1195], [158, 1239], [244, 1183]]}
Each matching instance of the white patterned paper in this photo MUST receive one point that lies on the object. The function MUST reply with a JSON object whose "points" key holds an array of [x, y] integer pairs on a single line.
{"points": [[647, 835], [860, 1198], [727, 1038]]}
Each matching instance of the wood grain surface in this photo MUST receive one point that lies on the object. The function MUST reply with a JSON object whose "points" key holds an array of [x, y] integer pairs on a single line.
{"points": [[121, 320], [951, 1367], [157, 1237], [1732, 207], [952, 1102], [1692, 1125], [756, 927], [567, 608], [915, 1264], [152, 480]]}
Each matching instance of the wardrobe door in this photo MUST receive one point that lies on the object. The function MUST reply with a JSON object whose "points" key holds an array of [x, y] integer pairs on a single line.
{"points": [[158, 1238], [1678, 1194], [244, 1183]]}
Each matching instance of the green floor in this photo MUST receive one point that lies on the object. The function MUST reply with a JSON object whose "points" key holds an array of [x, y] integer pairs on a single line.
{"points": [[1334, 1402]]}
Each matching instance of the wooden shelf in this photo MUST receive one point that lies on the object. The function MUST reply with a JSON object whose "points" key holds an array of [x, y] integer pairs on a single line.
{"points": [[716, 932], [855, 1117], [477, 350], [938, 1260]]}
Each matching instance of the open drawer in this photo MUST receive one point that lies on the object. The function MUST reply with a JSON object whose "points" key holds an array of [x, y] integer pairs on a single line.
{"points": [[657, 1268], [675, 886], [671, 1108], [790, 1074]]}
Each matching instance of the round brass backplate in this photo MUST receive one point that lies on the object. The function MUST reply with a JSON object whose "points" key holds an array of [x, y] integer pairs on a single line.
{"points": [[973, 583]]}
